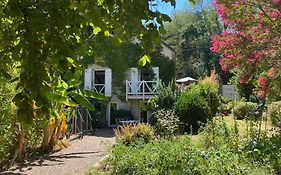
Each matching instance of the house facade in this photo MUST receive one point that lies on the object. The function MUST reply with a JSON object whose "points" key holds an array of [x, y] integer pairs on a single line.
{"points": [[139, 86]]}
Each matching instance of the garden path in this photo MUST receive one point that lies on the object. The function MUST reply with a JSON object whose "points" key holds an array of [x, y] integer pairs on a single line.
{"points": [[77, 159]]}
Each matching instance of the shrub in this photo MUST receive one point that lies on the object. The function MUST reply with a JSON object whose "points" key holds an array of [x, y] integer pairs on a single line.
{"points": [[165, 97], [122, 114], [8, 127], [210, 93], [177, 157], [192, 109], [274, 113], [244, 110], [134, 133], [216, 134], [166, 123]]}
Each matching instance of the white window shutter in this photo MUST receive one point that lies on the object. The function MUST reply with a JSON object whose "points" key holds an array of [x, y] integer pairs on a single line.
{"points": [[156, 72], [88, 79], [108, 82], [134, 74], [134, 80]]}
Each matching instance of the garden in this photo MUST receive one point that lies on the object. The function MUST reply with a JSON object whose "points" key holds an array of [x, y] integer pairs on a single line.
{"points": [[45, 47], [199, 132]]}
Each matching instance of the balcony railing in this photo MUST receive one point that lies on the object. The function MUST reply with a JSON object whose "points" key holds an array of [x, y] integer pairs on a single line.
{"points": [[140, 89], [99, 88]]}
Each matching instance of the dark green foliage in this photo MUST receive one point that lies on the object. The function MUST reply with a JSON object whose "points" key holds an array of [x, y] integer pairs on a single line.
{"points": [[244, 110], [210, 93], [8, 128], [165, 122], [190, 34], [122, 114], [165, 97], [177, 157], [274, 113], [193, 110], [167, 68], [245, 90]]}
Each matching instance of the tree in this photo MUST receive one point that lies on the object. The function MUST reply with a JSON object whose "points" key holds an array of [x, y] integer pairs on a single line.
{"points": [[190, 34], [251, 42], [45, 39]]}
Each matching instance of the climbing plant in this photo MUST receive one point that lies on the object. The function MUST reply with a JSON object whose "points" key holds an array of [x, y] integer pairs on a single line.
{"points": [[123, 56]]}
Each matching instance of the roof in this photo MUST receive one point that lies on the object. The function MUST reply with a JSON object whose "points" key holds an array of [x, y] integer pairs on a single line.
{"points": [[167, 45], [185, 79]]}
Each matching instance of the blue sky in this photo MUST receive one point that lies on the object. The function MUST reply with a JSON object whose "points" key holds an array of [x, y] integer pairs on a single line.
{"points": [[180, 5]]}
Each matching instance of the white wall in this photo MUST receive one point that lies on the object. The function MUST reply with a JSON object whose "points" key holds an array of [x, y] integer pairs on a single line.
{"points": [[168, 52]]}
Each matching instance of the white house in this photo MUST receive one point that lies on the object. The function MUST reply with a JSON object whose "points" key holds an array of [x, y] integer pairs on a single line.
{"points": [[139, 88]]}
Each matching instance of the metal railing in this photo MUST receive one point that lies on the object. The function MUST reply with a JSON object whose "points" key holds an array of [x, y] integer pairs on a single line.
{"points": [[140, 89]]}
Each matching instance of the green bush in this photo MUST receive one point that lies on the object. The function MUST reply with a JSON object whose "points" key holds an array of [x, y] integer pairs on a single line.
{"points": [[133, 133], [217, 135], [192, 110], [166, 123], [8, 127], [274, 113], [210, 93], [244, 110], [165, 97], [177, 157], [122, 114]]}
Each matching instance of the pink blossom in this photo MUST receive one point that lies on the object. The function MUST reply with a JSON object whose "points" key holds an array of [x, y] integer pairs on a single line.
{"points": [[255, 29], [261, 94], [276, 1], [272, 72], [244, 78], [223, 65], [275, 14], [263, 82]]}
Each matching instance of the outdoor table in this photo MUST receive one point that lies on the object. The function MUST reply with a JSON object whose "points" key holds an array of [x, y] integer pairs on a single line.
{"points": [[126, 122]]}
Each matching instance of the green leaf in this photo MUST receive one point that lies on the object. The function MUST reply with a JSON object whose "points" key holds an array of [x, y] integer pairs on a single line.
{"points": [[96, 30], [192, 2], [5, 74], [92, 94], [83, 101], [60, 99], [106, 33], [143, 60], [73, 83]]}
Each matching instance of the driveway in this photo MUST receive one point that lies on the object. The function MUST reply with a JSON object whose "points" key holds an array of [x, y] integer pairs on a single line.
{"points": [[78, 158]]}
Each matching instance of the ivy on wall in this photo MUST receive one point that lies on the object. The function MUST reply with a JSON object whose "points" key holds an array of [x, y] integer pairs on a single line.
{"points": [[120, 57]]}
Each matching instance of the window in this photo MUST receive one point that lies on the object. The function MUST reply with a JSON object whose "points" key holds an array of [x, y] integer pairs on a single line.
{"points": [[99, 80], [99, 77]]}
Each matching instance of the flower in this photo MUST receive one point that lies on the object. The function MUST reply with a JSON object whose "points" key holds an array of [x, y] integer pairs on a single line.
{"points": [[261, 94], [244, 78], [276, 1], [263, 82]]}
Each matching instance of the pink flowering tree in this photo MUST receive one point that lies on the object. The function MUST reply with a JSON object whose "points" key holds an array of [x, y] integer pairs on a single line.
{"points": [[251, 42]]}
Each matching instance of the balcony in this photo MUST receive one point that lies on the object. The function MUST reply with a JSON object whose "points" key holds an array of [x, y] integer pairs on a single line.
{"points": [[140, 89]]}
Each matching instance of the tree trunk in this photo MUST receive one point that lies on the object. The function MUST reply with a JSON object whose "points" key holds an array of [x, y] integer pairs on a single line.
{"points": [[46, 138], [21, 145]]}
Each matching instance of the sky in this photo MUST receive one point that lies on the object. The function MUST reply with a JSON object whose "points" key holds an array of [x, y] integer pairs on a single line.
{"points": [[180, 5]]}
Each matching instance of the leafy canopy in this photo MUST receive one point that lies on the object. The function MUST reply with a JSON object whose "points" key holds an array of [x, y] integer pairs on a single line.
{"points": [[45, 41]]}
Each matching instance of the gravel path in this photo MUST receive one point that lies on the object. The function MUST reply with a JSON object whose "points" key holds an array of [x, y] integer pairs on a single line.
{"points": [[77, 159]]}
